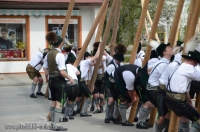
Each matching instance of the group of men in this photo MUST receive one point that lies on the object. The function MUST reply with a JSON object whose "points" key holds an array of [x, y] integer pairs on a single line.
{"points": [[163, 82]]}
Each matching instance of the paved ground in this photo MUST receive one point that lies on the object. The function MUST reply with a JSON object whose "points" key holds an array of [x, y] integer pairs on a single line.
{"points": [[17, 108]]}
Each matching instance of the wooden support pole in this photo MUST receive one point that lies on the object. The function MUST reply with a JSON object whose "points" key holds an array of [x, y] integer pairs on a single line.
{"points": [[191, 9], [194, 20], [91, 32], [100, 26], [134, 51], [116, 25], [146, 27], [175, 23], [177, 33], [174, 122], [67, 18], [103, 43], [197, 99], [148, 49], [150, 21], [153, 29]]}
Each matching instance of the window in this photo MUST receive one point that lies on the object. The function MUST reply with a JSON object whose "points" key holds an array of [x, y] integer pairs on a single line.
{"points": [[73, 35], [14, 37]]}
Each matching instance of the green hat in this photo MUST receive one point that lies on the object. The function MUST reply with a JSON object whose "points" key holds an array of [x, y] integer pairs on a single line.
{"points": [[87, 54], [118, 57], [161, 47], [71, 58], [179, 43], [193, 55], [59, 40]]}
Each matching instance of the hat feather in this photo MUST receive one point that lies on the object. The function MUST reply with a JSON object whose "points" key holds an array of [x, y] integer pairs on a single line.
{"points": [[120, 49], [154, 44], [176, 50], [192, 43], [40, 50], [51, 37]]}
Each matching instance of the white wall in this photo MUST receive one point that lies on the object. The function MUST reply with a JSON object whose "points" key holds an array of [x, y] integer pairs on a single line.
{"points": [[37, 39]]}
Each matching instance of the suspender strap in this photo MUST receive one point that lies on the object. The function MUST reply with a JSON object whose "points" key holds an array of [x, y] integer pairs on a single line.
{"points": [[155, 67], [169, 79]]}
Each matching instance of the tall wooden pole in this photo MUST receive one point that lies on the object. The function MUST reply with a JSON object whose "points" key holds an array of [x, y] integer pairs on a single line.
{"points": [[103, 43], [153, 29], [148, 50], [134, 51], [174, 119], [177, 33], [116, 25], [191, 9], [150, 21], [175, 23], [91, 32], [100, 26], [67, 18]]}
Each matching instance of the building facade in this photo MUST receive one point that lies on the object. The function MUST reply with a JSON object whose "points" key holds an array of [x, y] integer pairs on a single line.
{"points": [[24, 24]]}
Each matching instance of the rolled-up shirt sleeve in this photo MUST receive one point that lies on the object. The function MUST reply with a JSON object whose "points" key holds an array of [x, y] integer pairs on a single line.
{"points": [[60, 60]]}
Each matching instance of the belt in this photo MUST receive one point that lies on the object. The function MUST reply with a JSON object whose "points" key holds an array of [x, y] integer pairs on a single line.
{"points": [[177, 96], [82, 79], [149, 87], [69, 83], [51, 76], [162, 87], [111, 80]]}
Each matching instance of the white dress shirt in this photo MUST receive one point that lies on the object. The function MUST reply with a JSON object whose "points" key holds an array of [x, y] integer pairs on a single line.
{"points": [[157, 72], [111, 67], [60, 60], [71, 70], [84, 67], [129, 79], [35, 60], [170, 68], [182, 77]]}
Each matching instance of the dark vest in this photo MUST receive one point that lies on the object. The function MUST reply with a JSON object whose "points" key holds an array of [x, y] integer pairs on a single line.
{"points": [[130, 67], [106, 78], [51, 59]]}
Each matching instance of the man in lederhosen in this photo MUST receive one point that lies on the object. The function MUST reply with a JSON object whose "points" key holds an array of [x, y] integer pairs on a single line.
{"points": [[140, 88], [163, 119], [33, 70], [165, 52], [110, 85], [178, 86], [54, 66], [84, 67], [72, 90], [124, 77]]}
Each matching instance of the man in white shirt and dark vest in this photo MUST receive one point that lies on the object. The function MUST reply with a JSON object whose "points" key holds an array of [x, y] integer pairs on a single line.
{"points": [[112, 111], [54, 66], [178, 86], [33, 68], [124, 77]]}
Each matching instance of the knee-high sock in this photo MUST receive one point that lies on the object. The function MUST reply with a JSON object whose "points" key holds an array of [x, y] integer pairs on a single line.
{"points": [[93, 101], [184, 126], [33, 88], [138, 108], [52, 113], [68, 109], [96, 101], [116, 111], [144, 113], [108, 108], [195, 127], [78, 105], [159, 128], [111, 110], [57, 114], [72, 111], [166, 124], [39, 87], [101, 101], [49, 92], [122, 111], [85, 106]]}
